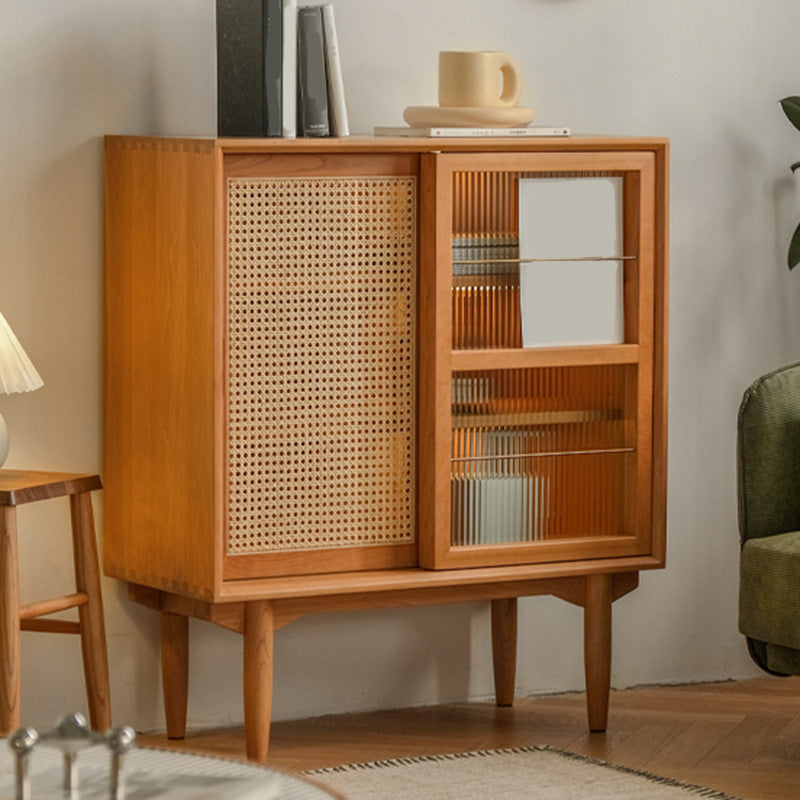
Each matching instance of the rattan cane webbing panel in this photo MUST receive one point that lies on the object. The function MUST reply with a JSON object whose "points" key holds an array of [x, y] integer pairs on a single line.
{"points": [[320, 362]]}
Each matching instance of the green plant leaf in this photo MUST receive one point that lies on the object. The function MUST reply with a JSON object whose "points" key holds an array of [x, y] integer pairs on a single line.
{"points": [[793, 257], [791, 107]]}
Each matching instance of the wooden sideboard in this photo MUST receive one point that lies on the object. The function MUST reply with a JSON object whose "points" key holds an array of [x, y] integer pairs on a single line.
{"points": [[317, 396]]}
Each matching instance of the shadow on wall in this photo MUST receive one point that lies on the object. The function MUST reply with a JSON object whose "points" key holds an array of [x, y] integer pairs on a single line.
{"points": [[427, 658]]}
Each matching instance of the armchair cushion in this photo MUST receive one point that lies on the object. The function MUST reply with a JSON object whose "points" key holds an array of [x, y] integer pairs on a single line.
{"points": [[769, 589]]}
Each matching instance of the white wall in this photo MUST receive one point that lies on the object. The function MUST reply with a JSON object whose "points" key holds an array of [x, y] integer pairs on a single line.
{"points": [[708, 75]]}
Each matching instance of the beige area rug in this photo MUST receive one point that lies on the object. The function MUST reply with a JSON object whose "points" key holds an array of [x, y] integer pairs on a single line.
{"points": [[531, 773]]}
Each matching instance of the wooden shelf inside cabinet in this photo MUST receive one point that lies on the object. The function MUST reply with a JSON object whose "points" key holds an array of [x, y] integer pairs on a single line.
{"points": [[512, 419], [334, 414], [520, 358]]}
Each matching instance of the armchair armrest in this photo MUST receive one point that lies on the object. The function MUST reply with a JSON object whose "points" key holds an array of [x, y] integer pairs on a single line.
{"points": [[768, 455]]}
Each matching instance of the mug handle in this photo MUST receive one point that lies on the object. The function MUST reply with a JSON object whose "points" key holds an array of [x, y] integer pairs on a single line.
{"points": [[512, 82]]}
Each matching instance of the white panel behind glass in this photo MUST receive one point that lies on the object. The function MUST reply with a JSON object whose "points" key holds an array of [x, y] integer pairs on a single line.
{"points": [[569, 301]]}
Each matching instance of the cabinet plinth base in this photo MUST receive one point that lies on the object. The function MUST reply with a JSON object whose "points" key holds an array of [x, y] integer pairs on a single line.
{"points": [[258, 619]]}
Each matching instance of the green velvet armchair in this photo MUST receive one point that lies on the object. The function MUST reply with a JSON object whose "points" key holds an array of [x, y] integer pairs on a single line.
{"points": [[769, 520]]}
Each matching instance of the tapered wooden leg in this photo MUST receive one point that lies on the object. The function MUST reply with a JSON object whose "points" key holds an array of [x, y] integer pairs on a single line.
{"points": [[9, 622], [597, 648], [90, 614], [175, 672], [504, 649], [259, 632]]}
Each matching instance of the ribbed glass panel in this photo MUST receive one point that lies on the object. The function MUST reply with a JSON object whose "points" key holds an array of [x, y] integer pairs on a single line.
{"points": [[485, 294], [539, 453]]}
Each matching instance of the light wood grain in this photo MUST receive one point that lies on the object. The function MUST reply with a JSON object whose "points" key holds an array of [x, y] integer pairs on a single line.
{"points": [[42, 607], [257, 679], [9, 622], [501, 358], [317, 561], [28, 486], [160, 384], [660, 353], [255, 165], [366, 144], [592, 159], [597, 648], [435, 331], [175, 671], [91, 619], [39, 625], [378, 582], [504, 649]]}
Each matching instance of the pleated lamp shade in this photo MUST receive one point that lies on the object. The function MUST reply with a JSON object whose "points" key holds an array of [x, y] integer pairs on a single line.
{"points": [[17, 374]]}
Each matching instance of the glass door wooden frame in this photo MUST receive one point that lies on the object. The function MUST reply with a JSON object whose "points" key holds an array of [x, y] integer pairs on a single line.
{"points": [[439, 361]]}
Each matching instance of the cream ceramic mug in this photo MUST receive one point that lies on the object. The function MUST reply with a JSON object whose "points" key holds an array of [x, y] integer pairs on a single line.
{"points": [[474, 78]]}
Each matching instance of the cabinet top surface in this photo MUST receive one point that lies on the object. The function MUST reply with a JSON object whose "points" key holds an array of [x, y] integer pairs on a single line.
{"points": [[367, 144]]}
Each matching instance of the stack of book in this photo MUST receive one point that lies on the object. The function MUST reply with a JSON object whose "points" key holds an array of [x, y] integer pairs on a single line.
{"points": [[485, 254], [278, 70]]}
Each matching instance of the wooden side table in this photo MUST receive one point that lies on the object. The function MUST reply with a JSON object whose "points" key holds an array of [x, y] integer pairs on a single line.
{"points": [[17, 488]]}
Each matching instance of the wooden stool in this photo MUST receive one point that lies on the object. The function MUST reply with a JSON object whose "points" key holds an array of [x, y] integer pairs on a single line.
{"points": [[16, 488]]}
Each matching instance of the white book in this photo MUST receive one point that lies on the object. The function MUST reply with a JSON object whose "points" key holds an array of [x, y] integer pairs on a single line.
{"points": [[571, 294], [529, 130], [338, 108], [289, 73], [501, 505]]}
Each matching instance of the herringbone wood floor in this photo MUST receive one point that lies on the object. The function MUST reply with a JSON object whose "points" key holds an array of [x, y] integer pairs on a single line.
{"points": [[740, 737]]}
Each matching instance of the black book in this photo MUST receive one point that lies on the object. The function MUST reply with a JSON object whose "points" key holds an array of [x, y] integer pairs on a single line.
{"points": [[312, 80], [273, 66], [249, 64]]}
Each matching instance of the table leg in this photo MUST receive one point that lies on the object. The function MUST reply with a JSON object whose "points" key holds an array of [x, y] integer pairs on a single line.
{"points": [[90, 615], [175, 672], [597, 648], [259, 632], [504, 649], [9, 622]]}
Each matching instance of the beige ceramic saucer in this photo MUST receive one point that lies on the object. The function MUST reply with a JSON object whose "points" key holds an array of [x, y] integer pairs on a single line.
{"points": [[501, 117]]}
